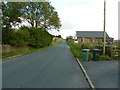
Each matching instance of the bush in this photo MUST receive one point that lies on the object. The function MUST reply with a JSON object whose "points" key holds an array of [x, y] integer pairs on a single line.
{"points": [[27, 36], [39, 38], [6, 36], [70, 39], [19, 38]]}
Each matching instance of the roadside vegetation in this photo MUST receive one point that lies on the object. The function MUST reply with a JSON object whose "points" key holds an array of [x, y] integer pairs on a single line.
{"points": [[27, 51], [75, 49], [34, 37], [112, 51], [41, 17]]}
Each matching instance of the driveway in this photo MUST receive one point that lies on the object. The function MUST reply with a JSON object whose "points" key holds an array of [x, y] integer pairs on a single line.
{"points": [[104, 74]]}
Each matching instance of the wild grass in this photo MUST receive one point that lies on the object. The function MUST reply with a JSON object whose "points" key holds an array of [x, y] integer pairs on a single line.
{"points": [[76, 48], [105, 57]]}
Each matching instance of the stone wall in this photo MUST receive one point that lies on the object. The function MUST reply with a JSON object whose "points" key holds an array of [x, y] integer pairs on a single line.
{"points": [[9, 48]]}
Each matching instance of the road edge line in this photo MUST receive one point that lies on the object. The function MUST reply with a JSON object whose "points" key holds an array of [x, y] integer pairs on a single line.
{"points": [[86, 75]]}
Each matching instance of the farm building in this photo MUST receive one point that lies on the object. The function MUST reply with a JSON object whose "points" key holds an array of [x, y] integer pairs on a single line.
{"points": [[92, 37]]}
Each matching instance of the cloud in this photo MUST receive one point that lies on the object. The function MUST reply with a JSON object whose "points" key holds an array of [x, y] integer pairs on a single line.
{"points": [[78, 2], [82, 18], [81, 15], [67, 25]]}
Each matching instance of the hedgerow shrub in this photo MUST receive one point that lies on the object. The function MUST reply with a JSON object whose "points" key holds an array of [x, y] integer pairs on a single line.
{"points": [[39, 38], [19, 38], [6, 35], [34, 37]]}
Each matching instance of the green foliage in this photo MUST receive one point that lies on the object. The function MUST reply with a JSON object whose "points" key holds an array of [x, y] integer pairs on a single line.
{"points": [[18, 52], [105, 57], [75, 49], [26, 51], [6, 36], [70, 39], [19, 38], [38, 14], [90, 55], [86, 46], [118, 48], [24, 28], [41, 14], [39, 38], [11, 12], [27, 36]]}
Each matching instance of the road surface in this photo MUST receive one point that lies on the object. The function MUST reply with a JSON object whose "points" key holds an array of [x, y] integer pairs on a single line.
{"points": [[54, 67], [104, 74]]}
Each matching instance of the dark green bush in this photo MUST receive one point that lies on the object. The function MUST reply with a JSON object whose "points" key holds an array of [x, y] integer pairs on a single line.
{"points": [[39, 38], [19, 38], [6, 36], [27, 36]]}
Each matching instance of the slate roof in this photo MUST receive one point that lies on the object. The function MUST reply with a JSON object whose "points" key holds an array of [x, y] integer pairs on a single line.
{"points": [[90, 34]]}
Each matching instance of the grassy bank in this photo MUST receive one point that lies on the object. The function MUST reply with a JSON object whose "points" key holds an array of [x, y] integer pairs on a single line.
{"points": [[76, 50], [27, 51]]}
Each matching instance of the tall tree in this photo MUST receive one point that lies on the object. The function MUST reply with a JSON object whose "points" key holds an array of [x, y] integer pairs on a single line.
{"points": [[38, 14], [11, 13], [41, 14]]}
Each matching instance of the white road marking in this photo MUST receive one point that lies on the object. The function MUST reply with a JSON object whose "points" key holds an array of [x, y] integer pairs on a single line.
{"points": [[68, 46], [86, 75]]}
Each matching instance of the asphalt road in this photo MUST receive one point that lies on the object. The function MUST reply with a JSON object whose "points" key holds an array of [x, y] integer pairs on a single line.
{"points": [[104, 74], [54, 67]]}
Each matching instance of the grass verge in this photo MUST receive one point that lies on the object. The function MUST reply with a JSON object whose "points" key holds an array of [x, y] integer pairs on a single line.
{"points": [[76, 50], [105, 58], [27, 51]]}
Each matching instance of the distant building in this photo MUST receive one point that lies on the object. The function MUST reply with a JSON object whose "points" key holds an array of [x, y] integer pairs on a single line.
{"points": [[92, 37]]}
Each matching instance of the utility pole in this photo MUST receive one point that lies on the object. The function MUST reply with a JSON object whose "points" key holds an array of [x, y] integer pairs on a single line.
{"points": [[104, 43]]}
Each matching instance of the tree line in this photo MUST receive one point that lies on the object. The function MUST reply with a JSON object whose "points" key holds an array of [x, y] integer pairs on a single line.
{"points": [[40, 15]]}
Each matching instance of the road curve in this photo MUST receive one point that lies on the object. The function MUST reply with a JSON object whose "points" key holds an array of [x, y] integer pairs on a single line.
{"points": [[54, 67]]}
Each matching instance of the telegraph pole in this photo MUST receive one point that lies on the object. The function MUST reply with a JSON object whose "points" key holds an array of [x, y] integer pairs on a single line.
{"points": [[104, 27]]}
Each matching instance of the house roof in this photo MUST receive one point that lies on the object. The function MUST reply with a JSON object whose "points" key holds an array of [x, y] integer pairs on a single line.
{"points": [[90, 34]]}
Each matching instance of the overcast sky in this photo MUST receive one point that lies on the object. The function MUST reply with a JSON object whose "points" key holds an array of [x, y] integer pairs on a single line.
{"points": [[86, 15]]}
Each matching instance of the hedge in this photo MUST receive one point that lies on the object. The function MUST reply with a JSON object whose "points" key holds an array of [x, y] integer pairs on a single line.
{"points": [[34, 37], [39, 38]]}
